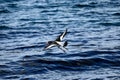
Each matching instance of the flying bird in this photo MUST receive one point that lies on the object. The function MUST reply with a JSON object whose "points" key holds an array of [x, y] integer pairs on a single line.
{"points": [[58, 42]]}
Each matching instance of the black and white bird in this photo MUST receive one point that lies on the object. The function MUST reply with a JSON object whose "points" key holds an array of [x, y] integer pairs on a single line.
{"points": [[58, 42]]}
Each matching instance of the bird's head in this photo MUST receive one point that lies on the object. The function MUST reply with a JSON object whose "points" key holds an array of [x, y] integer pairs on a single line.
{"points": [[49, 42]]}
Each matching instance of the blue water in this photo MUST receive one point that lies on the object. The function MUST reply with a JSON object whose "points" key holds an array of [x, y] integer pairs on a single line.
{"points": [[93, 39]]}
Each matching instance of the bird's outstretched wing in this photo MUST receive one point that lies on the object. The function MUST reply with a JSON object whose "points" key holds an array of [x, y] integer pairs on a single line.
{"points": [[49, 46], [64, 44], [63, 49], [60, 37]]}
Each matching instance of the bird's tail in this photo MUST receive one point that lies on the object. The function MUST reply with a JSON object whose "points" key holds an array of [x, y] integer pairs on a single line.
{"points": [[65, 44]]}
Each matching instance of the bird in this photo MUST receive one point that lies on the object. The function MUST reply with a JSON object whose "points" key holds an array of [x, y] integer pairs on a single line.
{"points": [[58, 42]]}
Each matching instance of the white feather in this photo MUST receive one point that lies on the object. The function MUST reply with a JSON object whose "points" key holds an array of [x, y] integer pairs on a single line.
{"points": [[60, 43], [49, 46]]}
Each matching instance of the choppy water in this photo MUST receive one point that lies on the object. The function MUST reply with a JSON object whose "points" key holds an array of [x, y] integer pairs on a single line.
{"points": [[93, 37]]}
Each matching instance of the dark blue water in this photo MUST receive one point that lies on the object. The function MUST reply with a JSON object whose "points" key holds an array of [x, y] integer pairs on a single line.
{"points": [[93, 37]]}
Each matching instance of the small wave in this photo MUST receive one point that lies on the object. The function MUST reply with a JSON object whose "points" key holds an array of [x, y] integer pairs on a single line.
{"points": [[83, 6], [4, 11], [68, 64], [2, 36], [11, 77], [4, 27], [21, 32], [4, 1], [5, 72], [39, 6], [3, 66], [28, 79], [110, 24], [25, 19], [116, 14], [12, 5], [27, 47], [90, 54]]}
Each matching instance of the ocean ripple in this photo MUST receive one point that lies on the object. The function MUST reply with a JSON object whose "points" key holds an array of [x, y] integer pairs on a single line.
{"points": [[93, 39]]}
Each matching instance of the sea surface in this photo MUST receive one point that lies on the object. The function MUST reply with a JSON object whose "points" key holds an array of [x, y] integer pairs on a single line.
{"points": [[93, 39]]}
